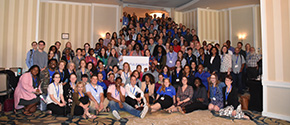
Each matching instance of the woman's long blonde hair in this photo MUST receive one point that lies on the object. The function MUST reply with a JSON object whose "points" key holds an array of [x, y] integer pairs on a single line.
{"points": [[80, 83], [217, 80], [163, 86]]}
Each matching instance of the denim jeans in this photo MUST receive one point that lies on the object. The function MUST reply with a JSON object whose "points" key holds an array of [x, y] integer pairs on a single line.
{"points": [[237, 81], [43, 104], [115, 106]]}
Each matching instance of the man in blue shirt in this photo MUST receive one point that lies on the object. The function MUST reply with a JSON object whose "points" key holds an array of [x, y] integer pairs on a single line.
{"points": [[203, 75], [29, 56], [171, 58], [101, 82], [96, 95], [229, 46], [125, 19]]}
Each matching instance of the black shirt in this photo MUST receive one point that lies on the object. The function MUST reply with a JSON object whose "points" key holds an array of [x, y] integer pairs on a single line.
{"points": [[232, 97]]}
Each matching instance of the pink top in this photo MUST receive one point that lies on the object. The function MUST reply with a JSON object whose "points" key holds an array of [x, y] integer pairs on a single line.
{"points": [[114, 93], [24, 90]]}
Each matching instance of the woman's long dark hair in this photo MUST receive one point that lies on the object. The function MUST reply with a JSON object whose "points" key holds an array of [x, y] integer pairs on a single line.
{"points": [[32, 67]]}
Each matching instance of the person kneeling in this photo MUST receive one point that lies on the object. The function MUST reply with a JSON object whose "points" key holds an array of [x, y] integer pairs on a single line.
{"points": [[116, 96], [81, 102]]}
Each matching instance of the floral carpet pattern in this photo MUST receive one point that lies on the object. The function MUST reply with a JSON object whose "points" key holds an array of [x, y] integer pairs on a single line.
{"points": [[158, 118]]}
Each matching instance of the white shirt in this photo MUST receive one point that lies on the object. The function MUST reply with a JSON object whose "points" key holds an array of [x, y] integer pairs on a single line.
{"points": [[132, 91], [56, 90]]}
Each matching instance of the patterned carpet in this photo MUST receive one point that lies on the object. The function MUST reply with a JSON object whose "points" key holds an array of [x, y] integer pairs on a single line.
{"points": [[159, 118]]}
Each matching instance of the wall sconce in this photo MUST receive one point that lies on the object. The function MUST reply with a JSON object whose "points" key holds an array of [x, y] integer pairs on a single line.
{"points": [[242, 36], [103, 35]]}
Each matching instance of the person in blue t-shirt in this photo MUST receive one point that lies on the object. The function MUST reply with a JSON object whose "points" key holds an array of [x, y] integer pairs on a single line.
{"points": [[203, 75], [165, 96], [101, 82]]}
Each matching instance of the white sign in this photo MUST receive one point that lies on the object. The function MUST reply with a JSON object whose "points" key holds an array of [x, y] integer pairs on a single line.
{"points": [[134, 61]]}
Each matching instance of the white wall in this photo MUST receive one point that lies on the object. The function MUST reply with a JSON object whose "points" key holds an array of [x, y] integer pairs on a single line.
{"points": [[275, 17]]}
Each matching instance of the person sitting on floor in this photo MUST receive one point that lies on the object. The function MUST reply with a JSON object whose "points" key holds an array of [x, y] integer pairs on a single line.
{"points": [[148, 87], [231, 101], [165, 96], [26, 92], [55, 100], [216, 96], [184, 95], [96, 95], [116, 95], [199, 100], [134, 95], [81, 102]]}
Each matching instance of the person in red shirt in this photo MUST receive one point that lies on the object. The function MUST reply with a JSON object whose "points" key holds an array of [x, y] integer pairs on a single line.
{"points": [[176, 47]]}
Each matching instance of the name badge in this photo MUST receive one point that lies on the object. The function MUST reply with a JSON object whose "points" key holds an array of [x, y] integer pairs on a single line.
{"points": [[177, 80], [158, 63], [170, 61], [213, 98], [236, 66], [226, 102], [162, 98]]}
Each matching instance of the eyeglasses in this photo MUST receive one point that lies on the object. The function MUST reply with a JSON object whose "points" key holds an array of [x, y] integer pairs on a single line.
{"points": [[56, 77]]}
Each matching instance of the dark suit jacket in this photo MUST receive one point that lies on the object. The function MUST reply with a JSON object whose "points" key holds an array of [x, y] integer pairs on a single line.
{"points": [[232, 97], [216, 64]]}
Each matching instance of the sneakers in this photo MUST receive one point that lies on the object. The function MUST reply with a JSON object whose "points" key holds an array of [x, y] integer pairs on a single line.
{"points": [[116, 115], [144, 112]]}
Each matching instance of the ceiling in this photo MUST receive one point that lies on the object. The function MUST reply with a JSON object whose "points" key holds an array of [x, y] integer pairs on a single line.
{"points": [[220, 4], [161, 3], [181, 5]]}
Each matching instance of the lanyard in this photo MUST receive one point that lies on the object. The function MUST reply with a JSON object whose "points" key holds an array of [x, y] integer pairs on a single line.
{"points": [[202, 61], [116, 92], [82, 72], [94, 89], [61, 75], [177, 74], [81, 95], [222, 58], [71, 87], [170, 55], [68, 71], [92, 59], [56, 90], [133, 90], [237, 59], [227, 93], [159, 57], [35, 81], [189, 59], [214, 91], [126, 75]]}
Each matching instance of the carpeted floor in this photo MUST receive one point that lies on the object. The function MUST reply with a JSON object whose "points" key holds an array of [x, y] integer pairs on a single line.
{"points": [[159, 118]]}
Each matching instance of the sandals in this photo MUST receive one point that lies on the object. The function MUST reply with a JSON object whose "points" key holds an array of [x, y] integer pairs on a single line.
{"points": [[180, 110], [26, 112], [169, 111]]}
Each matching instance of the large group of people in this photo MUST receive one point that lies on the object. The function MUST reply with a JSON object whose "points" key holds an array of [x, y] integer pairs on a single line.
{"points": [[184, 74]]}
